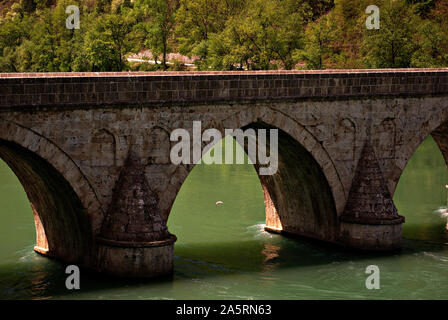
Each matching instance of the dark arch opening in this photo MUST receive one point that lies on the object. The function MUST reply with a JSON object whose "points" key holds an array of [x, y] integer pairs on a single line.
{"points": [[62, 224], [298, 198]]}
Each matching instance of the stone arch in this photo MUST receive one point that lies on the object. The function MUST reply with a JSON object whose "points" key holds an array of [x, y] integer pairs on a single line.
{"points": [[315, 198], [302, 136], [177, 174], [436, 125], [66, 208], [176, 180]]}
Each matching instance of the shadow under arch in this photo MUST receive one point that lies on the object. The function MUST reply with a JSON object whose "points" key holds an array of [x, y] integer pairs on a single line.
{"points": [[299, 133], [298, 197], [63, 229]]}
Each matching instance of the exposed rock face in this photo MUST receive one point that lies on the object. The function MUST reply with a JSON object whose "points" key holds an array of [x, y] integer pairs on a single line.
{"points": [[134, 215], [369, 201]]}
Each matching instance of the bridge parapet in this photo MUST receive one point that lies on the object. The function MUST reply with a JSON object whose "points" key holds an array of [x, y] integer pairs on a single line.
{"points": [[130, 88]]}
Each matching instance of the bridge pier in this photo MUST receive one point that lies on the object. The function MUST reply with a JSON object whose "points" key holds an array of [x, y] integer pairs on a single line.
{"points": [[372, 237], [370, 220], [134, 240]]}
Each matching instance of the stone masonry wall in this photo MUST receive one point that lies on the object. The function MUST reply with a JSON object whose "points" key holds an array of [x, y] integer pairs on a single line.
{"points": [[85, 125], [174, 87]]}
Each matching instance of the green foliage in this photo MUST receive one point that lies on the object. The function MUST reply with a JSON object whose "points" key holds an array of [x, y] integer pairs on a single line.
{"points": [[392, 45], [155, 30], [319, 37], [433, 49], [422, 7], [198, 21], [223, 34], [107, 43], [263, 35]]}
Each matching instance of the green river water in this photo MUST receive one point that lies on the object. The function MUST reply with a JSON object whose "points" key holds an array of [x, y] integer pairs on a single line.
{"points": [[223, 252]]}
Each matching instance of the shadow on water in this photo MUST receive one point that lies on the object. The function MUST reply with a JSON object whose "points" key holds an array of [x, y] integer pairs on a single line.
{"points": [[43, 278], [36, 277]]}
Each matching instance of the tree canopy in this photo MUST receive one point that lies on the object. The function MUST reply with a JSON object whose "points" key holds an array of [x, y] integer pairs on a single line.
{"points": [[222, 34]]}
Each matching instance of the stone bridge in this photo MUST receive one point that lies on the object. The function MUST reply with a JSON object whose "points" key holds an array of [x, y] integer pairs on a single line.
{"points": [[92, 153]]}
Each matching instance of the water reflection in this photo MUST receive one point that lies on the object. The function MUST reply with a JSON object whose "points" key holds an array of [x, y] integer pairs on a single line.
{"points": [[40, 280], [271, 252]]}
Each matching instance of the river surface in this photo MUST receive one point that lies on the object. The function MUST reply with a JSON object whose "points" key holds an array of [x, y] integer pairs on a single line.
{"points": [[223, 251]]}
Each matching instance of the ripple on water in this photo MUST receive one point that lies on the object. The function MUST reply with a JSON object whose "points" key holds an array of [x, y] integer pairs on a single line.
{"points": [[442, 212]]}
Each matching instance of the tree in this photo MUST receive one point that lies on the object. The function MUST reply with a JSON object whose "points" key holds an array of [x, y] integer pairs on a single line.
{"points": [[319, 8], [108, 43], [392, 45], [14, 40], [53, 43], [197, 21], [318, 40], [433, 46], [422, 7], [264, 35], [287, 29], [156, 29], [223, 34], [343, 29]]}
